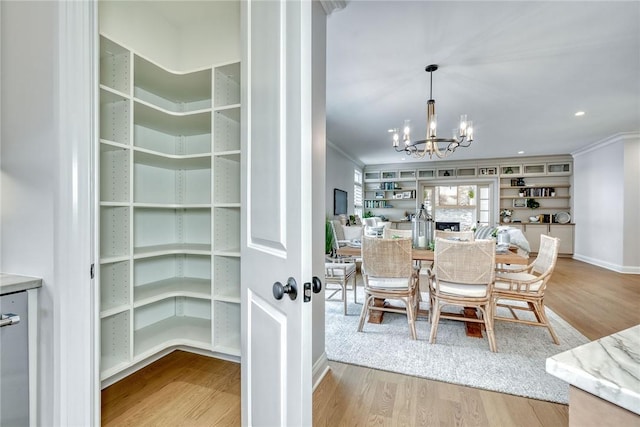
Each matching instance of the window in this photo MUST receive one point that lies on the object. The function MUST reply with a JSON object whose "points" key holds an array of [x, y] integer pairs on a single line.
{"points": [[468, 204], [357, 192]]}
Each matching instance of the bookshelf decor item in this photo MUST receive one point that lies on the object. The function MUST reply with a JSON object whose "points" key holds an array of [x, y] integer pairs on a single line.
{"points": [[519, 203]]}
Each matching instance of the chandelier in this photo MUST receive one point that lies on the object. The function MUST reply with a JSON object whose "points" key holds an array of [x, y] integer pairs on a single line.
{"points": [[441, 147]]}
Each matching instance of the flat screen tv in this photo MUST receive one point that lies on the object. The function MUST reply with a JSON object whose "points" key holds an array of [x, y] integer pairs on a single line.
{"points": [[339, 202]]}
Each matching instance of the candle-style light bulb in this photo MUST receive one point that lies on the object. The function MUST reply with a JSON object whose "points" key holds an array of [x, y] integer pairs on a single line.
{"points": [[463, 125], [406, 132]]}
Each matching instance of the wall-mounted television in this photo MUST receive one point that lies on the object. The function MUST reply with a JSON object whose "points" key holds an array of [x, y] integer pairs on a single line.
{"points": [[340, 202]]}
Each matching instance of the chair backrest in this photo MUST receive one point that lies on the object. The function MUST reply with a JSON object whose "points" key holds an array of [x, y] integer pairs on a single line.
{"points": [[394, 233], [456, 235], [547, 255], [371, 221], [387, 257], [338, 232], [334, 242], [465, 262]]}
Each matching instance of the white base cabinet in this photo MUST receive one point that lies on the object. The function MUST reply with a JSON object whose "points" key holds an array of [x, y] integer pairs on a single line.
{"points": [[169, 209], [564, 232]]}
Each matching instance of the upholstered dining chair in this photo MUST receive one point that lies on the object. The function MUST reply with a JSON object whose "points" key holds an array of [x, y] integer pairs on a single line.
{"points": [[387, 269], [527, 286], [463, 275], [455, 235], [338, 234], [336, 278]]}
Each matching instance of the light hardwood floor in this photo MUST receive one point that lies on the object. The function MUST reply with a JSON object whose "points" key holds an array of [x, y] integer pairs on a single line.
{"points": [[188, 389]]}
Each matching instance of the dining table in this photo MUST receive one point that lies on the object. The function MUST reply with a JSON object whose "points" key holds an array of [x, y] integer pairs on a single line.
{"points": [[472, 329], [508, 257]]}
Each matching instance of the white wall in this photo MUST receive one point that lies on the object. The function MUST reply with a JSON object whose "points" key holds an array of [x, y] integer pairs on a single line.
{"points": [[214, 38], [339, 175], [606, 204], [319, 175], [28, 149], [139, 26], [178, 35], [632, 203]]}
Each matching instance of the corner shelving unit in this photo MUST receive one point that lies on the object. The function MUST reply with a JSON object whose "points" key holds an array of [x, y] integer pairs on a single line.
{"points": [[169, 208]]}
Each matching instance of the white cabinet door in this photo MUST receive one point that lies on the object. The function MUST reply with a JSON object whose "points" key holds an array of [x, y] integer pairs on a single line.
{"points": [[277, 226], [532, 232], [565, 234]]}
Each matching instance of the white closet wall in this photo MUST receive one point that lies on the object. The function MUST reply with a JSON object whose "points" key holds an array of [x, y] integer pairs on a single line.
{"points": [[169, 207]]}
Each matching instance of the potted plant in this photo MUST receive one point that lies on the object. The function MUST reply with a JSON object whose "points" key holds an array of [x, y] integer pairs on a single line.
{"points": [[505, 214], [328, 238]]}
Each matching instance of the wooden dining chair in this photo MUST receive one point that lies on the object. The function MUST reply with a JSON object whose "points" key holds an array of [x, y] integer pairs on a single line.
{"points": [[394, 233], [387, 269], [456, 235], [527, 286], [337, 276], [463, 275]]}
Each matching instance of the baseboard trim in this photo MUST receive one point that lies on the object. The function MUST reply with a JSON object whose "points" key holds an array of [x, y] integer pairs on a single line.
{"points": [[320, 369], [609, 266]]}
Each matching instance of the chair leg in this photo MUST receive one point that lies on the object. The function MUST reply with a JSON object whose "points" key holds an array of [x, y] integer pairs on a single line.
{"points": [[488, 324], [432, 304], [542, 316], [344, 295], [363, 313], [411, 317], [435, 318], [355, 288]]}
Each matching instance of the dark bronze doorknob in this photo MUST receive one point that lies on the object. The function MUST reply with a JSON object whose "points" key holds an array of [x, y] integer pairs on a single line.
{"points": [[290, 288], [317, 284]]}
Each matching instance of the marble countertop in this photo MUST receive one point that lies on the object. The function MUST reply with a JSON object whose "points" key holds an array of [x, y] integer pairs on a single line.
{"points": [[608, 368], [10, 283]]}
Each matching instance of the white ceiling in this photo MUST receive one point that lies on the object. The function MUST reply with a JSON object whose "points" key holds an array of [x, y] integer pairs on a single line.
{"points": [[520, 70]]}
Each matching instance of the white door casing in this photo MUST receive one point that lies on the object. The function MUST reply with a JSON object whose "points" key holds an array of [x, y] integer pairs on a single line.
{"points": [[277, 216]]}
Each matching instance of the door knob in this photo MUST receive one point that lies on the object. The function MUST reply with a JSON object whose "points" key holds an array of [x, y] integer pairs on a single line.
{"points": [[290, 288], [317, 284]]}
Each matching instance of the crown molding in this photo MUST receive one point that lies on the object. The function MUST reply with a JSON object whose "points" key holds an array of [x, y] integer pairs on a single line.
{"points": [[330, 6], [347, 156], [618, 137]]}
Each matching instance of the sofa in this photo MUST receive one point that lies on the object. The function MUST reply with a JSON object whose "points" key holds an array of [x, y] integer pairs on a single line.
{"points": [[347, 233], [515, 236]]}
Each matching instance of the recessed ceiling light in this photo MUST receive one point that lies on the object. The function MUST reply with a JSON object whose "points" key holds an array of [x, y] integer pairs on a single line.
{"points": [[520, 152], [579, 113]]}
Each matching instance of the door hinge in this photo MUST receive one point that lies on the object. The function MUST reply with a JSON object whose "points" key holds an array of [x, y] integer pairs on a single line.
{"points": [[92, 271]]}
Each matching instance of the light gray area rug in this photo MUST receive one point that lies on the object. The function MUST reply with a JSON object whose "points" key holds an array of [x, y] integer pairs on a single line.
{"points": [[518, 368]]}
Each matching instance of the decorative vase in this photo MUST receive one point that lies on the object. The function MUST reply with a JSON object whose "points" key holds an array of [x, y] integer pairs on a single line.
{"points": [[506, 219]]}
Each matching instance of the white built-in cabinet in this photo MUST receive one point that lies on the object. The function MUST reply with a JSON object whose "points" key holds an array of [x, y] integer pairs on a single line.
{"points": [[169, 210]]}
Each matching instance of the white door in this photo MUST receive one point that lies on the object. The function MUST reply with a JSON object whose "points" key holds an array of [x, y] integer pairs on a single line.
{"points": [[277, 216]]}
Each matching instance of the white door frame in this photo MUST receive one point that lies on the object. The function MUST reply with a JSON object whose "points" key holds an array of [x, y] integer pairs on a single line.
{"points": [[76, 352], [76, 384]]}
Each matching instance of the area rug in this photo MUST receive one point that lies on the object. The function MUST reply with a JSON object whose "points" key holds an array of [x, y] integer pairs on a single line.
{"points": [[518, 368]]}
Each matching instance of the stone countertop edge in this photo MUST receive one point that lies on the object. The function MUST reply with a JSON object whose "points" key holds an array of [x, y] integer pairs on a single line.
{"points": [[608, 368], [10, 283]]}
